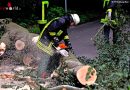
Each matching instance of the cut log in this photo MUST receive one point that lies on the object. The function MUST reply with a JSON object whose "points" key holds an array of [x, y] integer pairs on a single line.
{"points": [[86, 75], [15, 32], [2, 48], [19, 45], [27, 60]]}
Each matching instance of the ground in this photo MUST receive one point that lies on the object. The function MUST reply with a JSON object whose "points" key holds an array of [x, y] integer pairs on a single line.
{"points": [[80, 37]]}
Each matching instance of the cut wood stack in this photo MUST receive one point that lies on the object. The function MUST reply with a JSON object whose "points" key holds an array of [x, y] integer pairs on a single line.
{"points": [[17, 45]]}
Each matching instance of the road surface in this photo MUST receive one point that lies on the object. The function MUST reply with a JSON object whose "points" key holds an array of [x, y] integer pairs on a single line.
{"points": [[80, 37]]}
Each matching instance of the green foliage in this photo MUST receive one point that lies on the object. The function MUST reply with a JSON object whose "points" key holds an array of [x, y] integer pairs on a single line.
{"points": [[88, 74], [25, 22], [87, 16], [54, 12], [83, 18], [113, 61], [30, 24], [129, 87], [34, 29], [28, 18], [112, 66], [66, 78]]}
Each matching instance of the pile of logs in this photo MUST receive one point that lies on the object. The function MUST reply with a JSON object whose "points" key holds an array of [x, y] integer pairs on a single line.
{"points": [[16, 44], [18, 40]]}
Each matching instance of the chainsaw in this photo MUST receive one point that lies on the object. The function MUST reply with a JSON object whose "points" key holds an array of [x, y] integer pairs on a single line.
{"points": [[62, 49]]}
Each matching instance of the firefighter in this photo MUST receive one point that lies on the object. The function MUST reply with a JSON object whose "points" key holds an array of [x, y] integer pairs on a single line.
{"points": [[52, 34], [111, 18]]}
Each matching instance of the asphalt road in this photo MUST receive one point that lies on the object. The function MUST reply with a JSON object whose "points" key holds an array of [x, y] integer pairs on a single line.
{"points": [[80, 37]]}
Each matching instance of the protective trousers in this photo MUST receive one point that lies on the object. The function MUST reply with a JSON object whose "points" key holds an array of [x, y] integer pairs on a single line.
{"points": [[107, 34]]}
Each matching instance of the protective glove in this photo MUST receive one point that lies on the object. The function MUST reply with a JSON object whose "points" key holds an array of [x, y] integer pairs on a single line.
{"points": [[109, 12], [35, 39], [109, 15], [63, 52]]}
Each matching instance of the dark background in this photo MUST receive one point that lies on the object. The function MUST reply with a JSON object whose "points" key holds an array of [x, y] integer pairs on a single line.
{"points": [[28, 6]]}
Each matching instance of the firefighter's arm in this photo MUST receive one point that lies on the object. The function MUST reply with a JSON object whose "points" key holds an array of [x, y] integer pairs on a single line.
{"points": [[109, 12], [55, 25], [110, 7], [54, 38]]}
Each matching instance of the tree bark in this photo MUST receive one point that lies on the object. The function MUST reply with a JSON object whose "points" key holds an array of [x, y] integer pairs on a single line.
{"points": [[19, 44], [85, 74], [29, 54]]}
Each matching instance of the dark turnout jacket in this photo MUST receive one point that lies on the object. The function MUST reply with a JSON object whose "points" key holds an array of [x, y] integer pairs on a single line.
{"points": [[116, 4], [56, 30]]}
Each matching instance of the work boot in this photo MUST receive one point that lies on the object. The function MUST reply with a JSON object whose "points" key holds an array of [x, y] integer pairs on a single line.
{"points": [[106, 33]]}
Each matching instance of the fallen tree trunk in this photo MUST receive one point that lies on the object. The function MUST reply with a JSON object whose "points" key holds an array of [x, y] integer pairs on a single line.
{"points": [[19, 45], [85, 74]]}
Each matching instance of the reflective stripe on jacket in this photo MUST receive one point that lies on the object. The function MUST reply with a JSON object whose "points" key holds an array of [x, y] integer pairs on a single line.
{"points": [[41, 45]]}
